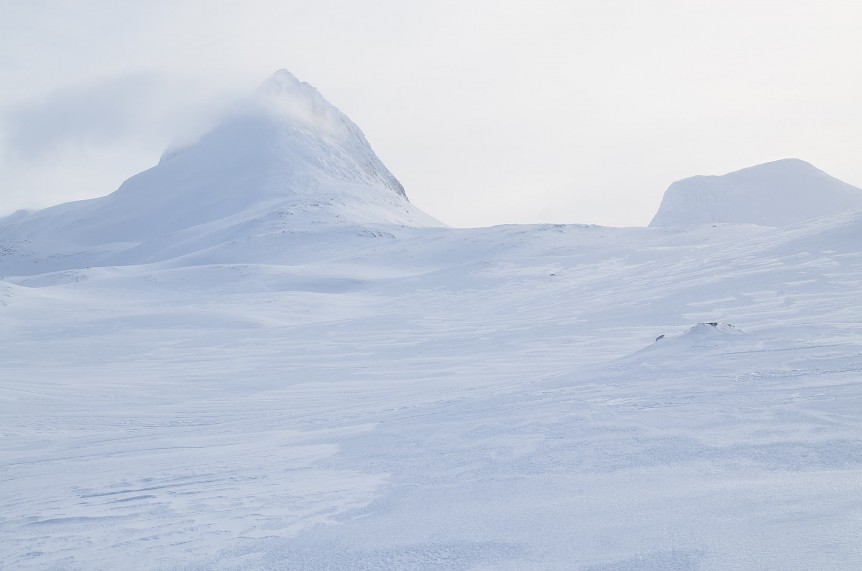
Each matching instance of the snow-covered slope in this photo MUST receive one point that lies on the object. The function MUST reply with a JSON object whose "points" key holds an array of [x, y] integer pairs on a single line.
{"points": [[772, 194], [278, 363], [451, 399], [285, 159]]}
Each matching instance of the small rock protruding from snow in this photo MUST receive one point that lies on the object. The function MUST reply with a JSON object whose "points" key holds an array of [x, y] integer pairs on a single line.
{"points": [[707, 328], [779, 193]]}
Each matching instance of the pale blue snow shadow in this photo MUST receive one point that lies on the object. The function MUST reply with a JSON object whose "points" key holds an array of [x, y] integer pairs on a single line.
{"points": [[659, 561], [281, 555]]}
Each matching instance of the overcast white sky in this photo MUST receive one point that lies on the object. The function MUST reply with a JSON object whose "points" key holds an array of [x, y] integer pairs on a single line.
{"points": [[488, 111]]}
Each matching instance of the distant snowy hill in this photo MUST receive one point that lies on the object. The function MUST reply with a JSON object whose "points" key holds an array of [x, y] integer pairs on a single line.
{"points": [[285, 159], [772, 194]]}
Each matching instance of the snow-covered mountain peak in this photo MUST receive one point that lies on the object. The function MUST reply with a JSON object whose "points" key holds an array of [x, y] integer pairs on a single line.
{"points": [[285, 99], [287, 126], [282, 160], [283, 85], [283, 80], [778, 193]]}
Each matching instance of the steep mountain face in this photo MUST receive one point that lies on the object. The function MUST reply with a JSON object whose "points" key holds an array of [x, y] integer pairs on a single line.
{"points": [[285, 153], [772, 194]]}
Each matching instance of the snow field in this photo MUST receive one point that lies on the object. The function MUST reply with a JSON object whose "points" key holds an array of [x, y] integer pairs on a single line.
{"points": [[443, 399]]}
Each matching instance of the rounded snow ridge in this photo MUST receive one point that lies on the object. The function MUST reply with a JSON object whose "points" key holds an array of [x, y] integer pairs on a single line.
{"points": [[786, 161], [788, 165], [778, 193]]}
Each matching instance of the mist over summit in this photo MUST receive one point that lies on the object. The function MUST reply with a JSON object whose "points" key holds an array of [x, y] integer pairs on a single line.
{"points": [[283, 149]]}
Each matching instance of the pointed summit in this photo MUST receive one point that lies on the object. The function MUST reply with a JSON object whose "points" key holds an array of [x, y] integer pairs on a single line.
{"points": [[284, 152], [283, 84], [291, 117], [285, 99], [282, 80], [772, 194]]}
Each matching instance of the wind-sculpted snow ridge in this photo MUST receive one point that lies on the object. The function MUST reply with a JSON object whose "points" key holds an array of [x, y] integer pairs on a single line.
{"points": [[779, 193], [282, 161]]}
